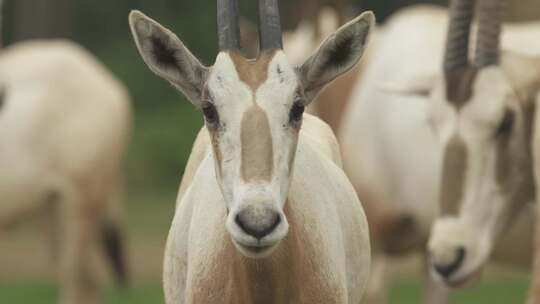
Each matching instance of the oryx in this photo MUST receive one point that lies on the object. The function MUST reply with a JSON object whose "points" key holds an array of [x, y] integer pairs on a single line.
{"points": [[64, 125], [265, 213], [390, 150], [483, 114]]}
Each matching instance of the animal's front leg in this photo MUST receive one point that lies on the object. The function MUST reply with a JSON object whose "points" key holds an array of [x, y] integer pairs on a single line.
{"points": [[50, 226], [79, 282]]}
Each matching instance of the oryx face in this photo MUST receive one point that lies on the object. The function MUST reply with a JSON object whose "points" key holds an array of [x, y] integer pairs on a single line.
{"points": [[484, 128], [252, 109], [486, 174]]}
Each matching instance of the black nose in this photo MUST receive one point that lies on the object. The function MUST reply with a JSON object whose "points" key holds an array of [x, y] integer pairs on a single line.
{"points": [[257, 222], [447, 270]]}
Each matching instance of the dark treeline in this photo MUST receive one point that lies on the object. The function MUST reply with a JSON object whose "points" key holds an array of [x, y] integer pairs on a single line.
{"points": [[93, 22]]}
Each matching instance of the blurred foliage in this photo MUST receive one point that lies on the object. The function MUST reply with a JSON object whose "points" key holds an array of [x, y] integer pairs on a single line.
{"points": [[165, 123]]}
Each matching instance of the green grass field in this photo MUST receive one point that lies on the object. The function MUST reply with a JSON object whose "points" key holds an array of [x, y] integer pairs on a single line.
{"points": [[507, 291]]}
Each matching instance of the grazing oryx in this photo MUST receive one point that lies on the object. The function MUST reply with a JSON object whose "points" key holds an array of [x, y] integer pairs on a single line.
{"points": [[483, 115], [390, 152], [248, 229], [64, 122]]}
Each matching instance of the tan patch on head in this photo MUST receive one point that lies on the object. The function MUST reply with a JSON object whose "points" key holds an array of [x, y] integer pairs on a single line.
{"points": [[459, 83], [252, 72], [453, 176], [256, 140]]}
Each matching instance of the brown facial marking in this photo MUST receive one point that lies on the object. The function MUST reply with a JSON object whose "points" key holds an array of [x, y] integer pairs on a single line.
{"points": [[256, 140], [252, 72], [453, 176], [214, 136], [459, 84]]}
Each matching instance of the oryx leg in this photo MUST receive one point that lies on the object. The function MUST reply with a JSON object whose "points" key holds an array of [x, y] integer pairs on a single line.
{"points": [[50, 226], [79, 236]]}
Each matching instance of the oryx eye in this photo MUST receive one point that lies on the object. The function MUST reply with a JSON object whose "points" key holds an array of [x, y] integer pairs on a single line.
{"points": [[210, 114], [297, 110], [506, 124]]}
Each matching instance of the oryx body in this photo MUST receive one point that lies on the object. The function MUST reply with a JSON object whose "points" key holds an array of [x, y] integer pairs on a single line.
{"points": [[389, 149], [265, 213], [64, 122]]}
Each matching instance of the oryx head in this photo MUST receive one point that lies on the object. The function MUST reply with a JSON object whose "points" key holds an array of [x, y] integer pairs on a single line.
{"points": [[252, 109], [482, 120]]}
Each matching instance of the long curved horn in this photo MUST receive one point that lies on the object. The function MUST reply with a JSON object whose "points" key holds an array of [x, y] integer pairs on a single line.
{"points": [[228, 25], [457, 39], [490, 18], [269, 25]]}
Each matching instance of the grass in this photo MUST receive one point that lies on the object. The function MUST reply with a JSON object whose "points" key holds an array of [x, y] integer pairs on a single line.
{"points": [[47, 293], [494, 291], [403, 291]]}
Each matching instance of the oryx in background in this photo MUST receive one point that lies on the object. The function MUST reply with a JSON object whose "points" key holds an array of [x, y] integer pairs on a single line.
{"points": [[483, 114], [64, 124], [390, 150]]}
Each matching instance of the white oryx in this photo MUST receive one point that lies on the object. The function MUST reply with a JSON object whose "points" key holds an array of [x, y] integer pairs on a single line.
{"points": [[64, 122], [389, 149], [247, 229], [484, 118]]}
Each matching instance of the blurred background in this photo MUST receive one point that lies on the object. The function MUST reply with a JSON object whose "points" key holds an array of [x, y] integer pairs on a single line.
{"points": [[165, 127]]}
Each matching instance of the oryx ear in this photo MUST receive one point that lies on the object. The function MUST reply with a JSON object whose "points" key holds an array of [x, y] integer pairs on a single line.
{"points": [[420, 86], [336, 55], [168, 57]]}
